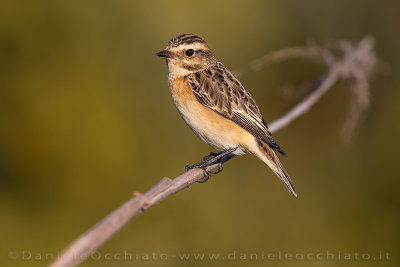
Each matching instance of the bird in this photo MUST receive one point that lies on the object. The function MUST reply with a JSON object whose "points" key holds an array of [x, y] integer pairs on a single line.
{"points": [[217, 107]]}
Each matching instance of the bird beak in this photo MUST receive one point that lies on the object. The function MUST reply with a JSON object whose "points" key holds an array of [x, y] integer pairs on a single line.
{"points": [[165, 53]]}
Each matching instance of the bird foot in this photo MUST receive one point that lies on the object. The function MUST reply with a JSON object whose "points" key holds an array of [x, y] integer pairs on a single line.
{"points": [[212, 159], [203, 166], [219, 169]]}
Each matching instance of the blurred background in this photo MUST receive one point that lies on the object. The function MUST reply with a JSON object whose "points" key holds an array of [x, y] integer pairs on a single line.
{"points": [[87, 119]]}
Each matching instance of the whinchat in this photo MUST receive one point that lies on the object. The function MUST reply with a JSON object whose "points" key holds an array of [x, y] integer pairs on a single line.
{"points": [[216, 106]]}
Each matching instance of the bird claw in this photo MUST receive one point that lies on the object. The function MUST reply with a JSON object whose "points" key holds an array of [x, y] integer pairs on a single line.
{"points": [[206, 176], [220, 168], [194, 166], [213, 158], [201, 166]]}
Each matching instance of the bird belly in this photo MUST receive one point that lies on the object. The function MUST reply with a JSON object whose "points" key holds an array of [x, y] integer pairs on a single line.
{"points": [[210, 126]]}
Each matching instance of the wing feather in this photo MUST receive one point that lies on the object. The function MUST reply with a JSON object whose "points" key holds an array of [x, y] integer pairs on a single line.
{"points": [[218, 89]]}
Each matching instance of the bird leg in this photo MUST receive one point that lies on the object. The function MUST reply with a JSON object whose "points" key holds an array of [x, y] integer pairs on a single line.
{"points": [[211, 159], [212, 155]]}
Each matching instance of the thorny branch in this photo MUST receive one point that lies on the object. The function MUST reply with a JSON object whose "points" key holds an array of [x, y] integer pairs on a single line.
{"points": [[355, 65]]}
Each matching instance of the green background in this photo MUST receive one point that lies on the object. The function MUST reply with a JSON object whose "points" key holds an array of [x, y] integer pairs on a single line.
{"points": [[87, 119]]}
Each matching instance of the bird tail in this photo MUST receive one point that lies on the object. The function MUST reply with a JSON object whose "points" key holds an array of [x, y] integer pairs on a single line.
{"points": [[268, 156]]}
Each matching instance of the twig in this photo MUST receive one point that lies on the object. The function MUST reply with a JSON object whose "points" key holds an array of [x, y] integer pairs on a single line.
{"points": [[307, 103], [356, 65], [106, 228]]}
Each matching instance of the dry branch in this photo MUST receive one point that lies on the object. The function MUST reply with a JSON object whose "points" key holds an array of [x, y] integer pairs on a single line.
{"points": [[356, 65]]}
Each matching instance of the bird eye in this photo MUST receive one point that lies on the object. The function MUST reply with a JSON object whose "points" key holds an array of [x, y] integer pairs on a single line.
{"points": [[189, 52]]}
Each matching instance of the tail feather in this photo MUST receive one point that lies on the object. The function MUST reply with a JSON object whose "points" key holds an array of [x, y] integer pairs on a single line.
{"points": [[268, 156]]}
